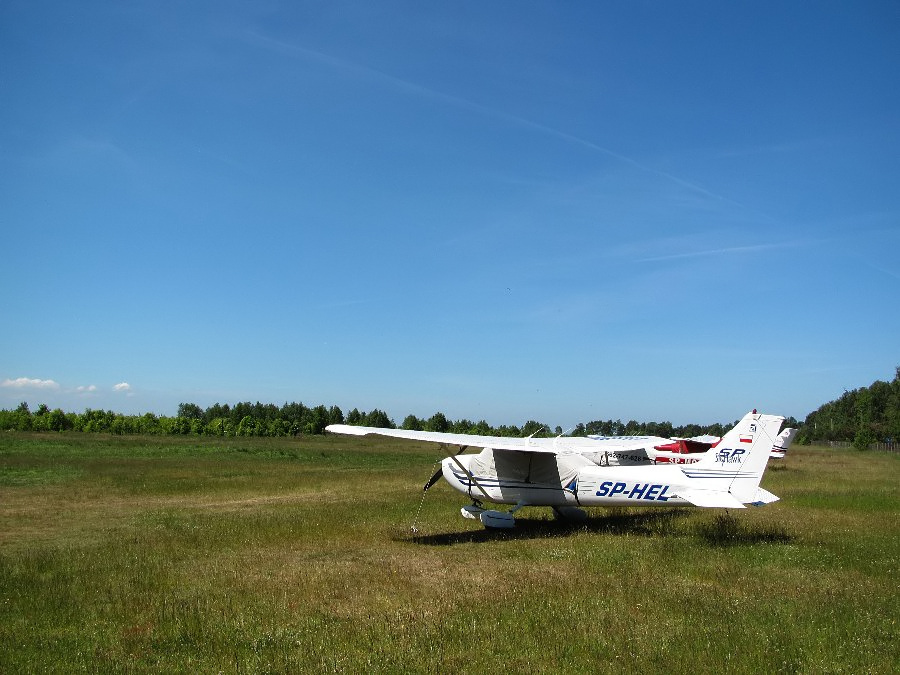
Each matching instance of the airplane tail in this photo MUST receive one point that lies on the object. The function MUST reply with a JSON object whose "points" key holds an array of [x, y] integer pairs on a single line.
{"points": [[783, 442], [737, 463]]}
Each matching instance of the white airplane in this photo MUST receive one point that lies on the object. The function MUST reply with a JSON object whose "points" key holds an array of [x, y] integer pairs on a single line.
{"points": [[568, 473]]}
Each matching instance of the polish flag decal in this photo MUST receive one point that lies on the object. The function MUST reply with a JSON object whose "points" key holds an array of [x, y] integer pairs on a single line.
{"points": [[746, 439]]}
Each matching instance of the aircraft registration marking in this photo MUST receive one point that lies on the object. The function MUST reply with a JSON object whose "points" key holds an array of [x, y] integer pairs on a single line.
{"points": [[629, 458], [646, 491]]}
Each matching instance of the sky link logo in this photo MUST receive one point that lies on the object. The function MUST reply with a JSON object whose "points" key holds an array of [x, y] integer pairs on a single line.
{"points": [[726, 456]]}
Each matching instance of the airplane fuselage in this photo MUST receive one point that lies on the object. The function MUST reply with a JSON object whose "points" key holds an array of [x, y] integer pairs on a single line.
{"points": [[592, 486], [600, 486]]}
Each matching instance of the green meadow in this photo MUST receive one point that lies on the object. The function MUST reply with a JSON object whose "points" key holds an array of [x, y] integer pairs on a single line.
{"points": [[150, 554]]}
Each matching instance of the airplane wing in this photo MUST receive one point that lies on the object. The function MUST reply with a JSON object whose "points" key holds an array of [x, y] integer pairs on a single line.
{"points": [[620, 442], [705, 438], [464, 440], [557, 445]]}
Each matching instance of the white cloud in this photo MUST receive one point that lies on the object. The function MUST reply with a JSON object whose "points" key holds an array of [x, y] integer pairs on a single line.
{"points": [[86, 390], [29, 383], [122, 386]]}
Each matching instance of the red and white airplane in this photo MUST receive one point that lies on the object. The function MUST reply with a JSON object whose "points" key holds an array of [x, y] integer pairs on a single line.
{"points": [[566, 473], [690, 450]]}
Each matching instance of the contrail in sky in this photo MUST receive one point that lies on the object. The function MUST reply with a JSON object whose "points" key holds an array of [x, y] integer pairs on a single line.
{"points": [[405, 85], [713, 252]]}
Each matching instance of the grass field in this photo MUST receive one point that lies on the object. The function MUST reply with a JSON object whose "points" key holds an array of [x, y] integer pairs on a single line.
{"points": [[280, 555]]}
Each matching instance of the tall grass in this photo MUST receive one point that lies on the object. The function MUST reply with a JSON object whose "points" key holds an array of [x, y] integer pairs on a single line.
{"points": [[286, 555]]}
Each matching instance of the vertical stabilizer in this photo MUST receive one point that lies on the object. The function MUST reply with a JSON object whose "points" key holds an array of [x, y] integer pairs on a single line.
{"points": [[737, 463], [783, 442]]}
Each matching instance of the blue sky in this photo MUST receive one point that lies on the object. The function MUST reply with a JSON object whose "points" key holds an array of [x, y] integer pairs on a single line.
{"points": [[497, 210]]}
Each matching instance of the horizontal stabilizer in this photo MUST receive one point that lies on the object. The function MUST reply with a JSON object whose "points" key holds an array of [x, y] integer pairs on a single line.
{"points": [[763, 497], [711, 499]]}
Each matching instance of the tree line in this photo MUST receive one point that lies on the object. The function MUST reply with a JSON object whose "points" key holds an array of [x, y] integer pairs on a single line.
{"points": [[294, 419], [862, 416], [242, 419]]}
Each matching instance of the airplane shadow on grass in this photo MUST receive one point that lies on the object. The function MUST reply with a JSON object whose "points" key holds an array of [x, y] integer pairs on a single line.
{"points": [[724, 530], [727, 530]]}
